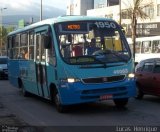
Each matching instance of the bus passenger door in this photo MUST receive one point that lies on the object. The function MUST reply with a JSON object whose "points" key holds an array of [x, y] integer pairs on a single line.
{"points": [[41, 74]]}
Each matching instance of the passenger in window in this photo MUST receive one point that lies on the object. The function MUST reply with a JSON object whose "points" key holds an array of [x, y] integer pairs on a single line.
{"points": [[66, 50], [22, 54], [29, 55], [26, 55], [77, 50]]}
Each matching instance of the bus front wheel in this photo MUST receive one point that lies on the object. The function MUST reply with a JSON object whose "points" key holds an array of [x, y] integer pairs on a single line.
{"points": [[60, 108], [120, 103]]}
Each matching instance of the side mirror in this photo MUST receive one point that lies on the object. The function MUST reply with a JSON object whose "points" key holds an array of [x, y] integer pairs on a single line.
{"points": [[46, 41]]}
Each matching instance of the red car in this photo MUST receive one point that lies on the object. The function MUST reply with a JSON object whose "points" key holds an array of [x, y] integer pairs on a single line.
{"points": [[147, 74]]}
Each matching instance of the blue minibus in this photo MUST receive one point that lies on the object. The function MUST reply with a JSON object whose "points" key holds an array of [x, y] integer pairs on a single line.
{"points": [[71, 60]]}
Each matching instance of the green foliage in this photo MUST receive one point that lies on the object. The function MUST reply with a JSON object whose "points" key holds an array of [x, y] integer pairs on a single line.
{"points": [[4, 31], [3, 37]]}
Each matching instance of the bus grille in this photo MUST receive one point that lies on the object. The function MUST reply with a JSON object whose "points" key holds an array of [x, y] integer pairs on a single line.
{"points": [[104, 79], [106, 90]]}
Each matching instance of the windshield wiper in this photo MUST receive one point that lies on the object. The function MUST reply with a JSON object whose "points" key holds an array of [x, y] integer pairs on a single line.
{"points": [[120, 57], [115, 54]]}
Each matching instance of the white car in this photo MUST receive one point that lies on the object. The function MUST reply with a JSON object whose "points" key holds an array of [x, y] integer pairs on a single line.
{"points": [[3, 67]]}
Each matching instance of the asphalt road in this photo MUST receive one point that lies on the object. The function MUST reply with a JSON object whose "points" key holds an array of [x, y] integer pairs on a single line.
{"points": [[35, 111]]}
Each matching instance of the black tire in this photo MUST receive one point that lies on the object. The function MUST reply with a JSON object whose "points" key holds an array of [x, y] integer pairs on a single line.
{"points": [[139, 93], [120, 103], [60, 108]]}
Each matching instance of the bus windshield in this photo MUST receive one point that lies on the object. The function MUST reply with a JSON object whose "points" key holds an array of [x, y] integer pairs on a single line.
{"points": [[92, 42]]}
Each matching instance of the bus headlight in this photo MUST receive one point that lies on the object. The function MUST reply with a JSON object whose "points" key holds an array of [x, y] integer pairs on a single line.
{"points": [[69, 80], [72, 80], [131, 75]]}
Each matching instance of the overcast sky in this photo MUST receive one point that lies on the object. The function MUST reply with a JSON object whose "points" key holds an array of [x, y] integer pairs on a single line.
{"points": [[29, 6]]}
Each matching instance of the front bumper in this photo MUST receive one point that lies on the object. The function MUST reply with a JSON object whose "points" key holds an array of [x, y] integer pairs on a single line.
{"points": [[74, 93]]}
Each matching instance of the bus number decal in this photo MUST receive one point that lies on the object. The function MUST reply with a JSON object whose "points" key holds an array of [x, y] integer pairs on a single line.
{"points": [[105, 25], [121, 71]]}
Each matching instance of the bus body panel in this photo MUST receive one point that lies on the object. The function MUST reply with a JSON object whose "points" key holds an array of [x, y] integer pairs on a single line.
{"points": [[13, 72], [27, 74]]}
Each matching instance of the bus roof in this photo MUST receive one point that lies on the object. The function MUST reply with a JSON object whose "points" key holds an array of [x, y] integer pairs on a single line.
{"points": [[58, 20]]}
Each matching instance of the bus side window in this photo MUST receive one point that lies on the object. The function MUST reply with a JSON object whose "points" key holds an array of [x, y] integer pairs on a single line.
{"points": [[40, 50], [157, 49], [51, 53], [15, 47], [24, 45], [156, 46], [138, 47]]}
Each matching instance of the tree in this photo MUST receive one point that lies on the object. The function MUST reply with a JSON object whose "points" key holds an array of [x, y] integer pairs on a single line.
{"points": [[3, 38], [135, 11]]}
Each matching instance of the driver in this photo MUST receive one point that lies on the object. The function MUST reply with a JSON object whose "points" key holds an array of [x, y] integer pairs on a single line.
{"points": [[92, 47]]}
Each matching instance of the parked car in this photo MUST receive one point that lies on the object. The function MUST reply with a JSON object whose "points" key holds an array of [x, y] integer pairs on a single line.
{"points": [[3, 67], [147, 75]]}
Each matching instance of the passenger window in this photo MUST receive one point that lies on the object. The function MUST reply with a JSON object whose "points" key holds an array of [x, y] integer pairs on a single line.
{"points": [[40, 50], [138, 67], [157, 68], [146, 47], [148, 67]]}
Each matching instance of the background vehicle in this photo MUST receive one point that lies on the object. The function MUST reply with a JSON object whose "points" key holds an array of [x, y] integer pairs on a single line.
{"points": [[148, 77], [3, 67], [61, 69], [146, 47]]}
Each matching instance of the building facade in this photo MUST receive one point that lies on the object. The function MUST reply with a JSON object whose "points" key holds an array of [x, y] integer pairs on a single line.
{"points": [[105, 3], [79, 7], [111, 9], [145, 27]]}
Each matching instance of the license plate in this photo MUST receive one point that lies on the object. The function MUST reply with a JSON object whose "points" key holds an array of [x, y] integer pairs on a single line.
{"points": [[106, 97]]}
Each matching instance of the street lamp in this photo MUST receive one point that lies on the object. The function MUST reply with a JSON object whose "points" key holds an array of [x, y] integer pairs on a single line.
{"points": [[1, 9], [41, 12]]}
